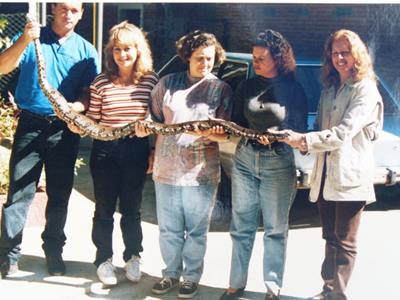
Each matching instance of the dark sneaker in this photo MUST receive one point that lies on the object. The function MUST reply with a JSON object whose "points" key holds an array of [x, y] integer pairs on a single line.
{"points": [[164, 285], [7, 269], [55, 265], [232, 296], [321, 296], [187, 290]]}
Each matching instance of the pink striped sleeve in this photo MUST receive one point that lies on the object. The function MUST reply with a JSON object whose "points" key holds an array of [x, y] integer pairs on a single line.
{"points": [[94, 110]]}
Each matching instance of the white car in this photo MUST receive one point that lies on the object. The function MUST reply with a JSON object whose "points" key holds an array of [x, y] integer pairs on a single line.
{"points": [[238, 66]]}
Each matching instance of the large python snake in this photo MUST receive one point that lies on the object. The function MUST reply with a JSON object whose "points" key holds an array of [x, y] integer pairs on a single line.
{"points": [[88, 127]]}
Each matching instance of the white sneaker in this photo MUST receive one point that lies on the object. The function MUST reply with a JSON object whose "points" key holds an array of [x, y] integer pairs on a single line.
{"points": [[106, 273], [273, 290], [132, 269]]}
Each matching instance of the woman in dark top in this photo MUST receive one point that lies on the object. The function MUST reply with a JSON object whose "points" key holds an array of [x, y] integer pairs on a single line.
{"points": [[264, 173]]}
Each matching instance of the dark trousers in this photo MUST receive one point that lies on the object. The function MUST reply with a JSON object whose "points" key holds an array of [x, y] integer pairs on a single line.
{"points": [[340, 222], [118, 171], [38, 142]]}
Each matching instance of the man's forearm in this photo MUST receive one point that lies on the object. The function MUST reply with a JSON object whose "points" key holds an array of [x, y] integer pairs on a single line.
{"points": [[11, 57]]}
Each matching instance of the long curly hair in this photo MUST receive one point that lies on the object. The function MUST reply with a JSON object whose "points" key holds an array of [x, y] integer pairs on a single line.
{"points": [[192, 41], [127, 33], [363, 67], [280, 49]]}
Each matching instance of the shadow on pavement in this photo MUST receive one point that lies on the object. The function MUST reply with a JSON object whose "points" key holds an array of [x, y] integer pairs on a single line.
{"points": [[82, 275], [33, 269]]}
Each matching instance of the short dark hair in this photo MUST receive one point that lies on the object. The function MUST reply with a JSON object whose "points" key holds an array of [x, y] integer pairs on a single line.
{"points": [[280, 49], [55, 3], [189, 43]]}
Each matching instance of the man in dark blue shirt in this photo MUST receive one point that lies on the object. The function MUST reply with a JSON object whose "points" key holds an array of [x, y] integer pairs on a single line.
{"points": [[41, 139]]}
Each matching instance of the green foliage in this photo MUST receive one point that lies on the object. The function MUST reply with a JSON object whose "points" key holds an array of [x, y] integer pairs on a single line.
{"points": [[7, 121], [7, 126], [4, 41], [4, 157]]}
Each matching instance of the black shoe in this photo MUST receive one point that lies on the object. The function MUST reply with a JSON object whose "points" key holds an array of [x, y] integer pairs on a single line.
{"points": [[55, 265], [321, 296], [187, 290], [236, 295], [7, 269], [164, 285]]}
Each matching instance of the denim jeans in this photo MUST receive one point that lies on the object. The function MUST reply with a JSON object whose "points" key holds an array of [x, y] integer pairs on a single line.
{"points": [[183, 214], [118, 171], [38, 142], [263, 180]]}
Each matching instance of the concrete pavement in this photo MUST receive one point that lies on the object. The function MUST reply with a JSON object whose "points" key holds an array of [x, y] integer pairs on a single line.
{"points": [[375, 277]]}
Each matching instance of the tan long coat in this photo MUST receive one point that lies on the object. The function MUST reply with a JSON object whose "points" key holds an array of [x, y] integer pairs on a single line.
{"points": [[349, 121]]}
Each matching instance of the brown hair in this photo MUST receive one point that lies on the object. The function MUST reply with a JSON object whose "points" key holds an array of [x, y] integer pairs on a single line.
{"points": [[189, 43], [363, 67], [280, 49], [125, 32]]}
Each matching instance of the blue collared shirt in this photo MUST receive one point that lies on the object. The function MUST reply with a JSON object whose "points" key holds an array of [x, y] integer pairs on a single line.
{"points": [[70, 67]]}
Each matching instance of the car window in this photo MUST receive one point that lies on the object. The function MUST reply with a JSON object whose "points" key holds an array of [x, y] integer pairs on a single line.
{"points": [[309, 78], [390, 107], [232, 72], [391, 110], [175, 64]]}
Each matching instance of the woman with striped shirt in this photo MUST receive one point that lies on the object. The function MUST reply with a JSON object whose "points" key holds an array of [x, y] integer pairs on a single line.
{"points": [[120, 96]]}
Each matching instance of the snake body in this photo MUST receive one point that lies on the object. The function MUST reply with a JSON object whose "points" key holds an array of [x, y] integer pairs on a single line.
{"points": [[88, 127]]}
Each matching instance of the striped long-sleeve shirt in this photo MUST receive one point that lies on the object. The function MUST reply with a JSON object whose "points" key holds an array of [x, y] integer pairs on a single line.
{"points": [[116, 106]]}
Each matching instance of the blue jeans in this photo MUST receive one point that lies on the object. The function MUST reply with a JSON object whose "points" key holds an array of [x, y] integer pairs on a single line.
{"points": [[118, 171], [183, 214], [263, 180], [38, 142]]}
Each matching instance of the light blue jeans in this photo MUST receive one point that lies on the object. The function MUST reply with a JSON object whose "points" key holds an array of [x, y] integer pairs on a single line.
{"points": [[263, 180], [183, 214]]}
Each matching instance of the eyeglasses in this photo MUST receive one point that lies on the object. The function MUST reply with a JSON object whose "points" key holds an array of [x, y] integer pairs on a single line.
{"points": [[341, 53]]}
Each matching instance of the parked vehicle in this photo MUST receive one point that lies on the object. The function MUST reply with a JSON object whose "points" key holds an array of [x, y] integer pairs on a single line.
{"points": [[238, 66]]}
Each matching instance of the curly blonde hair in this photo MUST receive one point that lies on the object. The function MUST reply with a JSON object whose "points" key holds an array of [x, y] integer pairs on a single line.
{"points": [[363, 67], [127, 33], [192, 41]]}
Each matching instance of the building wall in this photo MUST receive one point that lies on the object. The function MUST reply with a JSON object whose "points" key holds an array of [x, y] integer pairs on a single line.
{"points": [[306, 26]]}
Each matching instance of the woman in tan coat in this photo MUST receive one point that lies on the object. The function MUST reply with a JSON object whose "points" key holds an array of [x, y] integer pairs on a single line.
{"points": [[349, 118]]}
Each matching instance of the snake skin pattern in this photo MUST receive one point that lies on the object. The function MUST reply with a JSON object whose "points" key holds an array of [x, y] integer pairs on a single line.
{"points": [[88, 127]]}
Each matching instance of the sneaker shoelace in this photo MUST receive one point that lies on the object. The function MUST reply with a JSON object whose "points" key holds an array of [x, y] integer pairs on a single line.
{"points": [[187, 284], [107, 269], [134, 262], [165, 282]]}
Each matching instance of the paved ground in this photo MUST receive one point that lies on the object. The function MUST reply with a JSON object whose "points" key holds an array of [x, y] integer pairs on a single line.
{"points": [[375, 276]]}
